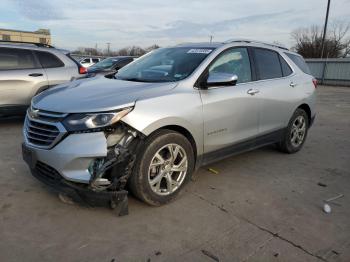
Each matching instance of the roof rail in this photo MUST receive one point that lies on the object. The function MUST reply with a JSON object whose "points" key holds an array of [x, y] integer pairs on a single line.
{"points": [[254, 42], [27, 43]]}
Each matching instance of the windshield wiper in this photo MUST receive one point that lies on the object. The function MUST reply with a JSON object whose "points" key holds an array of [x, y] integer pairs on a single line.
{"points": [[135, 79]]}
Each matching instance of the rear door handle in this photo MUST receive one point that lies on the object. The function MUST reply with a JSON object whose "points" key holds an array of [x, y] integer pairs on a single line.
{"points": [[252, 91], [35, 74], [292, 84]]}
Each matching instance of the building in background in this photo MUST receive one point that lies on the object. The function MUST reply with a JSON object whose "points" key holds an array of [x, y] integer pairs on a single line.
{"points": [[42, 36]]}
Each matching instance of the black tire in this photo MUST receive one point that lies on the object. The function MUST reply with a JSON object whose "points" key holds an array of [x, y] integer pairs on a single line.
{"points": [[286, 144], [138, 182]]}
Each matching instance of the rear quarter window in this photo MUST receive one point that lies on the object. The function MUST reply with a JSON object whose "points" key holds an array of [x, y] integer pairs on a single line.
{"points": [[300, 62], [48, 60]]}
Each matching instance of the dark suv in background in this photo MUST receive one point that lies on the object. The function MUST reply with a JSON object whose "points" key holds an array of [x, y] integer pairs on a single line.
{"points": [[109, 66]]}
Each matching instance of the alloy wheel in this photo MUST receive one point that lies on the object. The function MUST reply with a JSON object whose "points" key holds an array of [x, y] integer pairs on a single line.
{"points": [[168, 169]]}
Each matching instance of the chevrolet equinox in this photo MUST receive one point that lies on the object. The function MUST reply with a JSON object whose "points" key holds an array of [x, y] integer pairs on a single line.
{"points": [[163, 116]]}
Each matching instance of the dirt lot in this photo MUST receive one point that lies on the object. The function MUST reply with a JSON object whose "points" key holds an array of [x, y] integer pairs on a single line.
{"points": [[262, 206]]}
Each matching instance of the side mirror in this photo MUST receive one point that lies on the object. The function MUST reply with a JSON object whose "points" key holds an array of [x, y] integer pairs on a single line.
{"points": [[221, 79]]}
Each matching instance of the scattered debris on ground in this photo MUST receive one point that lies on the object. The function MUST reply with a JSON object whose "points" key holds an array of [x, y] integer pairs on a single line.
{"points": [[326, 207], [212, 170]]}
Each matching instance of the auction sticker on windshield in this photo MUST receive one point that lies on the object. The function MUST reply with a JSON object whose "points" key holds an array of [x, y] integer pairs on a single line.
{"points": [[199, 51]]}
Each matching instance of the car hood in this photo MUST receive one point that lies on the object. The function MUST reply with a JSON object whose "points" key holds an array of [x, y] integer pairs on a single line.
{"points": [[97, 94]]}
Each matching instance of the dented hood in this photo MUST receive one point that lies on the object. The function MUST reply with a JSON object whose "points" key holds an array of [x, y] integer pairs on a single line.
{"points": [[97, 94]]}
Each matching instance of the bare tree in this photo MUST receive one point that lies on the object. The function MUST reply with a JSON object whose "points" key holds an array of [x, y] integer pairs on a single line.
{"points": [[308, 41], [126, 51]]}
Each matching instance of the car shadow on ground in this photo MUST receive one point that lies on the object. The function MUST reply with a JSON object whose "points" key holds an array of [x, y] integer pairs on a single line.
{"points": [[11, 119]]}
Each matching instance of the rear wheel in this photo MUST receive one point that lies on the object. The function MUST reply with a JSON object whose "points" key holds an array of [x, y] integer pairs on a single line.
{"points": [[162, 168], [296, 132]]}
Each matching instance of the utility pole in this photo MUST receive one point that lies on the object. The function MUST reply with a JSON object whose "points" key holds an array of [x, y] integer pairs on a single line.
{"points": [[108, 46], [325, 28], [211, 38]]}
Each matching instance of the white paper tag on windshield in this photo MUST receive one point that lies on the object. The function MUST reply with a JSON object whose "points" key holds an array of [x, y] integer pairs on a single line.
{"points": [[199, 51]]}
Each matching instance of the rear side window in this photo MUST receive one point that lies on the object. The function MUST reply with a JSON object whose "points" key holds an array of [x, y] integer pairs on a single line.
{"points": [[48, 60], [286, 70], [123, 62], [300, 62], [13, 58], [267, 64]]}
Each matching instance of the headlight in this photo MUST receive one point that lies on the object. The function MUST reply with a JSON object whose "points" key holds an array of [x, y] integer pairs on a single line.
{"points": [[79, 122]]}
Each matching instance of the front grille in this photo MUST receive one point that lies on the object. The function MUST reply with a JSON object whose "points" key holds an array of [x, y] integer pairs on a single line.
{"points": [[41, 134], [47, 172], [43, 129]]}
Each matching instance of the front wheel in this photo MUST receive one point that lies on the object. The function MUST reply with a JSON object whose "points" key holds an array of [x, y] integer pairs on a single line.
{"points": [[162, 168], [296, 132]]}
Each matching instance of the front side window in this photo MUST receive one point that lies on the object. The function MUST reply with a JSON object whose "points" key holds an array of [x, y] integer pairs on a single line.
{"points": [[48, 60], [164, 65], [13, 58], [233, 61], [267, 64], [95, 60]]}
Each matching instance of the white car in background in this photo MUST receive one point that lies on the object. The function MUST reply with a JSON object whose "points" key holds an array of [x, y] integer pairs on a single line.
{"points": [[89, 61]]}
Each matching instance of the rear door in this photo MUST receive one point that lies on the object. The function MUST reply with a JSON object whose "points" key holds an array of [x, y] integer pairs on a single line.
{"points": [[277, 90], [20, 76], [55, 69], [230, 113]]}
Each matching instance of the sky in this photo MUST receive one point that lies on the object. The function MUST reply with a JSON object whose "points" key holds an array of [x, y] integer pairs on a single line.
{"points": [[85, 23]]}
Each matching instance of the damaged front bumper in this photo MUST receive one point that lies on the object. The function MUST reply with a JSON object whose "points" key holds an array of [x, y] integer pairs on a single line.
{"points": [[90, 168]]}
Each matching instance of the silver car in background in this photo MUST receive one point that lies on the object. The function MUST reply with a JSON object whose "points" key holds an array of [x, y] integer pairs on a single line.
{"points": [[163, 116], [26, 69]]}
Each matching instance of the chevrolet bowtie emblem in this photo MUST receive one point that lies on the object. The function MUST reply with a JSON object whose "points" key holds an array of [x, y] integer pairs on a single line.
{"points": [[34, 113]]}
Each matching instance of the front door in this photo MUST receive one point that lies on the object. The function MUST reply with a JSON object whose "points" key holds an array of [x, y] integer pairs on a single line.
{"points": [[230, 112]]}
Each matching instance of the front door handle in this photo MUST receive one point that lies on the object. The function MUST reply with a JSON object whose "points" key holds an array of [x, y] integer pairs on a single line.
{"points": [[35, 74], [252, 91], [292, 84]]}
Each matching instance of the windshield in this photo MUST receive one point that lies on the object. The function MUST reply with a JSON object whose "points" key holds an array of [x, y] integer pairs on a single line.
{"points": [[105, 64], [164, 65]]}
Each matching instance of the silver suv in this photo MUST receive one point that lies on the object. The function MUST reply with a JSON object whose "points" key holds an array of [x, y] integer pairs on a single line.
{"points": [[163, 116], [27, 69]]}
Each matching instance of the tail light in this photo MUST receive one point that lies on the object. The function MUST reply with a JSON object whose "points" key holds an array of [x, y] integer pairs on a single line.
{"points": [[314, 81], [82, 70]]}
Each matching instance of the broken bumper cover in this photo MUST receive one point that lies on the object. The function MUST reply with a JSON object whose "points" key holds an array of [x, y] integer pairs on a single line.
{"points": [[90, 168], [80, 193]]}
